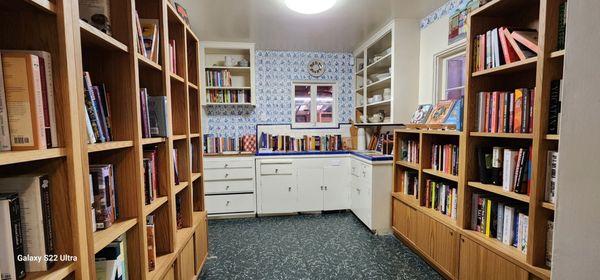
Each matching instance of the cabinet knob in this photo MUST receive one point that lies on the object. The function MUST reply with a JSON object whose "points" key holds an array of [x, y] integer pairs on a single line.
{"points": [[289, 189], [276, 170], [321, 187], [228, 202], [226, 165], [226, 175], [325, 187], [226, 187]]}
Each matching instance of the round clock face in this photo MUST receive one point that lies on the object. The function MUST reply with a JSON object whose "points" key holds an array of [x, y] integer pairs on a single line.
{"points": [[316, 68]]}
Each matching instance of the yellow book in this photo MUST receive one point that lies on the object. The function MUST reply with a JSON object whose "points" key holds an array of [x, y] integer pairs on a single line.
{"points": [[488, 218], [432, 195]]}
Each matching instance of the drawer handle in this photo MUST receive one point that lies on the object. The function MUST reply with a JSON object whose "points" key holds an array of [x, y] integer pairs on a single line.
{"points": [[226, 165], [325, 187], [276, 170], [228, 202], [226, 175], [321, 187], [289, 189], [226, 187]]}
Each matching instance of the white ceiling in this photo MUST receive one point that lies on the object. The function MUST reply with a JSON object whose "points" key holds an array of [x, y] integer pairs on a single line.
{"points": [[272, 26]]}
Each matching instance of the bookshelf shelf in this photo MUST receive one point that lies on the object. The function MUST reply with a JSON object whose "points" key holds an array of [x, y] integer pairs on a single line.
{"points": [[410, 165], [385, 61], [502, 135], [557, 54], [518, 66], [100, 147], [60, 271], [441, 132], [553, 137], [146, 62], [499, 191], [104, 237], [157, 203], [193, 86], [497, 246], [441, 174], [179, 137], [92, 36], [180, 187], [14, 157], [444, 219], [380, 103], [44, 5], [548, 205], [154, 140], [232, 68], [195, 176], [380, 84], [176, 77], [408, 199], [194, 135], [163, 263]]}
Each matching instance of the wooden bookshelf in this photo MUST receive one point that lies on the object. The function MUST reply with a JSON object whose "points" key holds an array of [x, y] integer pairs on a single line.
{"points": [[535, 72], [75, 47]]}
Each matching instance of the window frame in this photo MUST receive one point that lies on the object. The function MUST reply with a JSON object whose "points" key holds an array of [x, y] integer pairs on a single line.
{"points": [[313, 104], [441, 72]]}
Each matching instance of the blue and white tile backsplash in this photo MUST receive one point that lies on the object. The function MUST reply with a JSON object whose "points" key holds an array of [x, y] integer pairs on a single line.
{"points": [[447, 9], [275, 72]]}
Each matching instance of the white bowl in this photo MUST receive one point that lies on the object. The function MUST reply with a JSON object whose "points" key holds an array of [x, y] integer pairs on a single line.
{"points": [[377, 98]]}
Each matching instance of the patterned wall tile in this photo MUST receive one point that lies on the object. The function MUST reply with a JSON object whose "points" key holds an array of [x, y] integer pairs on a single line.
{"points": [[275, 72], [446, 9]]}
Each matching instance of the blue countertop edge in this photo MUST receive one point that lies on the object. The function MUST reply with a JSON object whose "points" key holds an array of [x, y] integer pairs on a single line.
{"points": [[358, 154]]}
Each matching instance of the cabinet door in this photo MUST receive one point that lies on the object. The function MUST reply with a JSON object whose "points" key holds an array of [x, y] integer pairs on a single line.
{"points": [[336, 180], [186, 261], [278, 194], [477, 262], [424, 233], [400, 217], [310, 189], [445, 247], [355, 198], [201, 243]]}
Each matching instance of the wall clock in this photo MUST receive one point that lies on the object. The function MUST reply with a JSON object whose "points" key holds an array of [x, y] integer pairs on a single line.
{"points": [[316, 68]]}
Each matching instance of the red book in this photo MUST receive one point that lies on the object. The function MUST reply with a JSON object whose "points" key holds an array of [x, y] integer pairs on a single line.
{"points": [[486, 126], [510, 55], [514, 44], [482, 51], [501, 111], [511, 112], [529, 39]]}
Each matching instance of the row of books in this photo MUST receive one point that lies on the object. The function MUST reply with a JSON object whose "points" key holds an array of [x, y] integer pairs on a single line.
{"points": [[148, 37], [501, 46], [506, 112], [173, 56], [442, 197], [223, 145], [444, 157], [25, 225], [551, 177], [410, 183], [105, 210], [498, 219], [97, 106], [111, 261], [237, 96], [27, 112], [218, 78], [505, 167], [150, 174], [286, 143], [409, 151], [562, 26], [154, 115], [554, 112], [151, 240]]}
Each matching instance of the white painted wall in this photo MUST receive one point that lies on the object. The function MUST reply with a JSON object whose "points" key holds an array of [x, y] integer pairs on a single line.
{"points": [[434, 40], [577, 223]]}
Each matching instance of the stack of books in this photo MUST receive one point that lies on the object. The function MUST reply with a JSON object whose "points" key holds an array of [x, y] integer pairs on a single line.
{"points": [[25, 225], [509, 169], [111, 261], [441, 197], [102, 184], [410, 183], [409, 151], [506, 112], [228, 96], [499, 219], [26, 84], [154, 115], [445, 158], [150, 174], [97, 105], [285, 143], [502, 45], [218, 78]]}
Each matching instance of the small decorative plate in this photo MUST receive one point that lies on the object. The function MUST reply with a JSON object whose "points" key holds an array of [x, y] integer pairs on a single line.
{"points": [[316, 68]]}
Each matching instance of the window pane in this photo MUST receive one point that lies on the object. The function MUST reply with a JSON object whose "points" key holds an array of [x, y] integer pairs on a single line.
{"points": [[302, 104], [456, 74], [324, 104], [455, 93]]}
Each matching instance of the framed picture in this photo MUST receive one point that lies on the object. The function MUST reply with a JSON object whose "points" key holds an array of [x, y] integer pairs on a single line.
{"points": [[421, 114], [440, 112], [458, 21]]}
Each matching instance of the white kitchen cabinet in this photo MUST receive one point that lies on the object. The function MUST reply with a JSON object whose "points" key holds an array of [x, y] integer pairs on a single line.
{"points": [[229, 186], [336, 184], [310, 189], [279, 194]]}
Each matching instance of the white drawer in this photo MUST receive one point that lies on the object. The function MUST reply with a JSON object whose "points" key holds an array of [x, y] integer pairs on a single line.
{"points": [[230, 203], [231, 186], [228, 163], [276, 169], [228, 174]]}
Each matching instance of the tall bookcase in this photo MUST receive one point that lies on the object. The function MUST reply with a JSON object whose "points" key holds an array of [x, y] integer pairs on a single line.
{"points": [[470, 254], [75, 46]]}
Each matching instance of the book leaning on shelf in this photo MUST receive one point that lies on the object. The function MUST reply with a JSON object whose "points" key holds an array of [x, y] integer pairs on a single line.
{"points": [[506, 112], [500, 46], [111, 261], [97, 106], [178, 211], [497, 218], [36, 216], [149, 38], [11, 238], [105, 195], [27, 112]]}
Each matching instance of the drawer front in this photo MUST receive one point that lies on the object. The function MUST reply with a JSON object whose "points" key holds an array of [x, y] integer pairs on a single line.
{"points": [[230, 203], [229, 174], [230, 186], [276, 169], [228, 163]]}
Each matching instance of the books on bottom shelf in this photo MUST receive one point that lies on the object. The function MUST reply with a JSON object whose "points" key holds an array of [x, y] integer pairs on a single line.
{"points": [[506, 112], [11, 238], [102, 184], [151, 239], [97, 106], [442, 197], [551, 176], [154, 115], [111, 261], [228, 96], [150, 174], [27, 112], [506, 168], [285, 143], [410, 183], [496, 218]]}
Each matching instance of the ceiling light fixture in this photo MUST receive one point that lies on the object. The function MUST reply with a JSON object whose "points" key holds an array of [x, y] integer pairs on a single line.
{"points": [[310, 7]]}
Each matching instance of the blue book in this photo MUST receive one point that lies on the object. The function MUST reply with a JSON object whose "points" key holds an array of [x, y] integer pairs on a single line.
{"points": [[455, 116]]}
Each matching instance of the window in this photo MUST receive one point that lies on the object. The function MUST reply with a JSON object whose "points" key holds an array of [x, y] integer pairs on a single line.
{"points": [[314, 104], [451, 73]]}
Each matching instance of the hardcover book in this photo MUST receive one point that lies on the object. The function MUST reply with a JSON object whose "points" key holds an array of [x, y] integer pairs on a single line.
{"points": [[4, 133], [440, 112], [421, 115], [456, 115], [104, 195], [11, 238], [151, 38], [157, 116]]}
